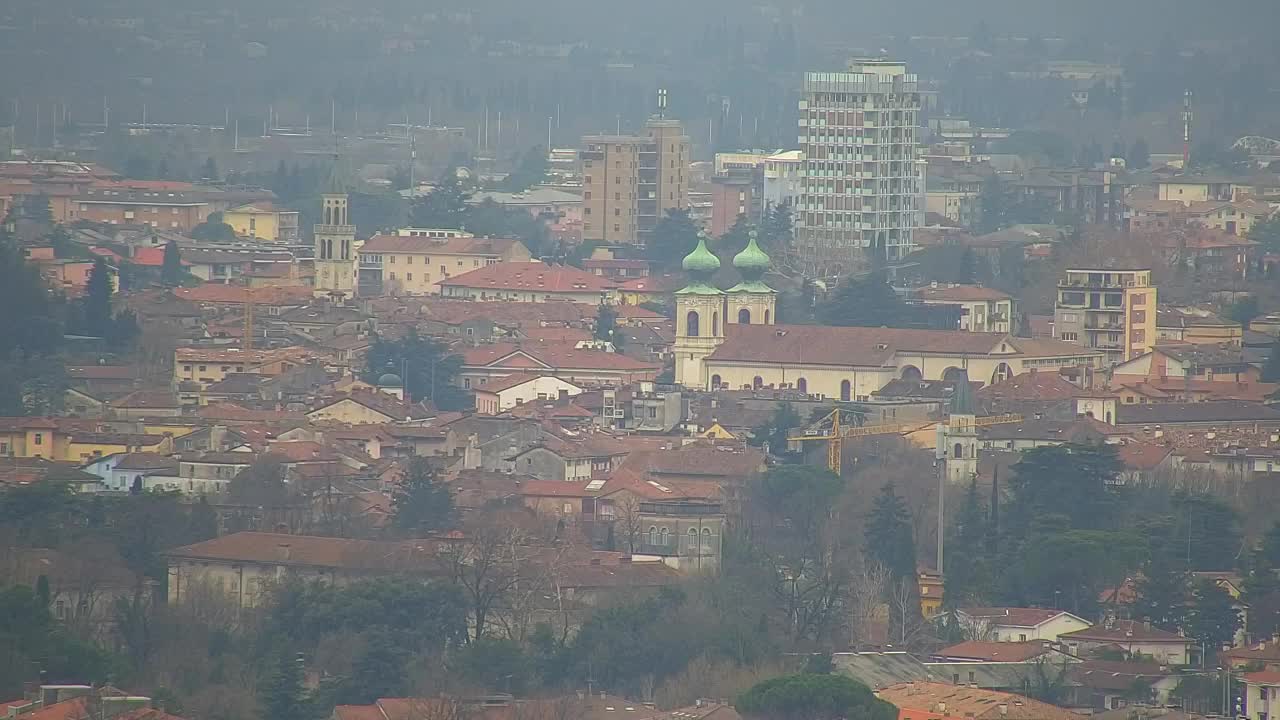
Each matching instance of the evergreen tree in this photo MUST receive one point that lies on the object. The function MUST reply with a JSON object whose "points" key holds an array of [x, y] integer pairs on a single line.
{"points": [[1213, 619], [1271, 371], [864, 302], [672, 238], [210, 170], [775, 432], [97, 299], [968, 574], [736, 238], [37, 208], [967, 273], [428, 366], [421, 503], [282, 695], [606, 326], [171, 271], [1162, 591], [777, 229], [531, 170], [889, 539], [1139, 155], [445, 206], [1271, 546]]}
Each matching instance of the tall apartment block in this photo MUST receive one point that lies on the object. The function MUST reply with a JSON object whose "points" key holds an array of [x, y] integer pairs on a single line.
{"points": [[630, 181], [862, 188], [1105, 309]]}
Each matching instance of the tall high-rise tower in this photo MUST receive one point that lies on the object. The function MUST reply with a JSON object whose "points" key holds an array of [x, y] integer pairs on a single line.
{"points": [[862, 189], [335, 239]]}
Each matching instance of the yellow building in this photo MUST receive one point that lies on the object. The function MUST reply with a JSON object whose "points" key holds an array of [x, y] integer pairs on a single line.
{"points": [[1187, 189], [82, 447], [931, 588], [1107, 309], [410, 264], [263, 221], [32, 438], [1196, 326]]}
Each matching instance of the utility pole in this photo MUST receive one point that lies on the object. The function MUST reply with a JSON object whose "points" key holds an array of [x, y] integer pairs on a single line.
{"points": [[1186, 129]]}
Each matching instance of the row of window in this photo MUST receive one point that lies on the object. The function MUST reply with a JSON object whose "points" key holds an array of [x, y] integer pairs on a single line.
{"points": [[224, 368]]}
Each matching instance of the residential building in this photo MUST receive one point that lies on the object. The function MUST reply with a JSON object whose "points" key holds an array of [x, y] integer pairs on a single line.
{"points": [[263, 221], [543, 203], [739, 192], [982, 309], [171, 206], [411, 264], [1114, 684], [1014, 624], [530, 282], [334, 238], [247, 565], [1195, 326], [500, 395], [630, 182], [863, 188], [1095, 196], [1135, 638], [782, 178], [685, 534], [1262, 695], [655, 408], [1217, 362], [1110, 310], [1187, 189], [486, 363]]}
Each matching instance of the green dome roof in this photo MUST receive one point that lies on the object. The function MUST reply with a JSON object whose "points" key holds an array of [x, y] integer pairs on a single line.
{"points": [[701, 260], [752, 259]]}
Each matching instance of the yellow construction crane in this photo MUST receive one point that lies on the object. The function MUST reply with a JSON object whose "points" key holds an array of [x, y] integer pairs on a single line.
{"points": [[831, 430]]}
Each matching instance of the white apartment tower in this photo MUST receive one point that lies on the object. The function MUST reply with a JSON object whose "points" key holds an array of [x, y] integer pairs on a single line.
{"points": [[862, 188]]}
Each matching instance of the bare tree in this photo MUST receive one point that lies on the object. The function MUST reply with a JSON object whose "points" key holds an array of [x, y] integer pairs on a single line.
{"points": [[866, 597], [628, 521], [909, 628], [489, 564]]}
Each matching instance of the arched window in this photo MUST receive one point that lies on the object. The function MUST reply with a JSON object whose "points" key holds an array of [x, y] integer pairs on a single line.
{"points": [[664, 537], [744, 316], [706, 538], [846, 390], [715, 324], [691, 324], [653, 535], [757, 382], [802, 385], [1003, 372], [715, 382], [766, 317], [958, 451], [911, 372], [328, 215]]}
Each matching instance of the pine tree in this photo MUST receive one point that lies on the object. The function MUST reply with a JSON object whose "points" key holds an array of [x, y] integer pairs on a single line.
{"points": [[97, 299], [1271, 371], [421, 504], [967, 567], [282, 695], [445, 206], [1213, 620], [1162, 592], [889, 540], [171, 271]]}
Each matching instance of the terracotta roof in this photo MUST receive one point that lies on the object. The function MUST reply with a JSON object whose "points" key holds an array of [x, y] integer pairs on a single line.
{"points": [[493, 247], [866, 346], [389, 405], [145, 461], [1196, 412], [551, 356], [994, 651], [623, 574], [1123, 631], [106, 438], [960, 293], [1143, 456], [1035, 386], [556, 334], [73, 709], [311, 551], [1263, 677], [508, 382], [147, 399], [531, 276], [215, 293], [1013, 616], [971, 702]]}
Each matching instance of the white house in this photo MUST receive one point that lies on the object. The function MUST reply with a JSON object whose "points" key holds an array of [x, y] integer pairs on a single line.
{"points": [[1262, 695], [1014, 624], [502, 394], [1135, 638]]}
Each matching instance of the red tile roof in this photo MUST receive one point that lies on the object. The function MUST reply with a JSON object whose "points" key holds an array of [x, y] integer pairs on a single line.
{"points": [[233, 294], [532, 276], [1123, 631], [1036, 386], [1263, 677], [1143, 456], [1013, 616], [994, 651], [535, 355]]}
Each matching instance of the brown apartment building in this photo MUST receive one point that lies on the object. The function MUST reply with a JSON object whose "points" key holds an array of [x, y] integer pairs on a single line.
{"points": [[630, 181]]}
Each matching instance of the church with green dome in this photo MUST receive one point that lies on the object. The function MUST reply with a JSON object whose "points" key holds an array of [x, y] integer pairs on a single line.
{"points": [[705, 313]]}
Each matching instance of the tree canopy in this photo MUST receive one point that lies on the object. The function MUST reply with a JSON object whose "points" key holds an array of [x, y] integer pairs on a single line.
{"points": [[810, 696]]}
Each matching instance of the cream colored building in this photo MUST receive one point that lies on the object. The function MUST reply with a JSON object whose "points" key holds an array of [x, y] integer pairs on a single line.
{"points": [[246, 566], [630, 181], [335, 246], [1107, 309], [982, 309], [412, 264], [503, 394], [850, 363], [263, 221]]}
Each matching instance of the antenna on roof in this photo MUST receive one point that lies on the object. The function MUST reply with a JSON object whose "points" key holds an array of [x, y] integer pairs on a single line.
{"points": [[662, 102]]}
